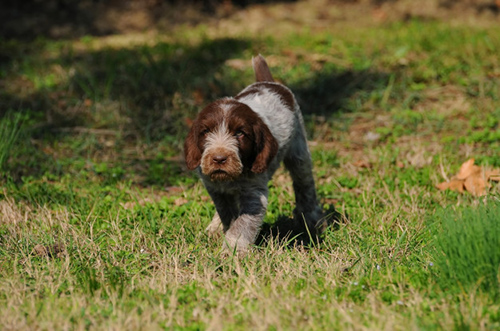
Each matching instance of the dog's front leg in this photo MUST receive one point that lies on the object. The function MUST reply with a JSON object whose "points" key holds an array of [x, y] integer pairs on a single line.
{"points": [[215, 227], [244, 230], [227, 207]]}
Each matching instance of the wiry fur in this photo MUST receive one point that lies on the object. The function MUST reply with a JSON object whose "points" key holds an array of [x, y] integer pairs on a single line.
{"points": [[236, 144]]}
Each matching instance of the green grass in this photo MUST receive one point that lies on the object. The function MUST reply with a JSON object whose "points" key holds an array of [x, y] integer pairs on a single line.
{"points": [[9, 133], [467, 254], [102, 226]]}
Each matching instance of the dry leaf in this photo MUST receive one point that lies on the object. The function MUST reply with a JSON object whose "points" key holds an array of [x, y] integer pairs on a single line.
{"points": [[453, 185], [330, 201], [472, 179], [174, 189], [476, 185], [237, 64], [55, 250], [128, 205], [443, 186], [467, 169], [180, 201], [457, 185], [362, 164]]}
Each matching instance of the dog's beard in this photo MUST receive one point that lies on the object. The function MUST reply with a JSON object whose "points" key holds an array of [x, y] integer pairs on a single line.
{"points": [[221, 176]]}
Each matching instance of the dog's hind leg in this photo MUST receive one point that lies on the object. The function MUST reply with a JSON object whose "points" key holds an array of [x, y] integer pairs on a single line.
{"points": [[299, 164]]}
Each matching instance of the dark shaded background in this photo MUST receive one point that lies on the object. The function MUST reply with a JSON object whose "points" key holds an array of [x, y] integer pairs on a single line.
{"points": [[75, 18]]}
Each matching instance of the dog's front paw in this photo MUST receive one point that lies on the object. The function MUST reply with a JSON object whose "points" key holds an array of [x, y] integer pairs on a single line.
{"points": [[214, 229], [240, 246]]}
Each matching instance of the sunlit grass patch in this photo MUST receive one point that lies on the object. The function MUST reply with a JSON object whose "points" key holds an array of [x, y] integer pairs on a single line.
{"points": [[467, 254]]}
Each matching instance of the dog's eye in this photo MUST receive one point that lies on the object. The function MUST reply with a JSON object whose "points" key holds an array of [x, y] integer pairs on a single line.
{"points": [[205, 132], [239, 134]]}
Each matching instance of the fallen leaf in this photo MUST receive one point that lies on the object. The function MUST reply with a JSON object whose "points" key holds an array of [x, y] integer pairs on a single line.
{"points": [[174, 189], [128, 205], [471, 178], [443, 186], [180, 201], [237, 64], [457, 185], [476, 185], [330, 201], [55, 250], [362, 164], [467, 169]]}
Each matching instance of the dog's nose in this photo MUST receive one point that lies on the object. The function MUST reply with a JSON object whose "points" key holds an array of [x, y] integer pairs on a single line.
{"points": [[220, 159]]}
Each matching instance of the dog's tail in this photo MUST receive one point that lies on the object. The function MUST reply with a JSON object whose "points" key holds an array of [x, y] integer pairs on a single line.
{"points": [[262, 72]]}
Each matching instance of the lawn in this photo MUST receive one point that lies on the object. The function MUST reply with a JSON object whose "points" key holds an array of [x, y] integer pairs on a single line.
{"points": [[102, 226]]}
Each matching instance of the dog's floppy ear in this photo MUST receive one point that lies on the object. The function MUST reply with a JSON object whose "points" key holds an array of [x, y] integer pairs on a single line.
{"points": [[266, 147], [192, 153]]}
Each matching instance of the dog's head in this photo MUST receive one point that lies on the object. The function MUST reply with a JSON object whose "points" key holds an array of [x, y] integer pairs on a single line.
{"points": [[228, 138]]}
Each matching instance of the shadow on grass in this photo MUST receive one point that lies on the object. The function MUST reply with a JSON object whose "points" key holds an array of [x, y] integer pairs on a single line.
{"points": [[148, 94], [292, 232], [31, 19], [328, 93], [138, 89], [121, 97]]}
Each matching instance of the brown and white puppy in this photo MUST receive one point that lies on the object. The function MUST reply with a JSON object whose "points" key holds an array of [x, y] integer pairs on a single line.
{"points": [[236, 144]]}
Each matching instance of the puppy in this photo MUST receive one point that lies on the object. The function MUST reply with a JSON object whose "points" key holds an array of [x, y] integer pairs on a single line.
{"points": [[236, 145]]}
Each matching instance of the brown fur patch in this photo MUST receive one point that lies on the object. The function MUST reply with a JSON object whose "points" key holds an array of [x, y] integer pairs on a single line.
{"points": [[256, 145], [207, 120]]}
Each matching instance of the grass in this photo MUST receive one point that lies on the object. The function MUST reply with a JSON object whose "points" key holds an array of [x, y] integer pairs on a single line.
{"points": [[467, 249], [9, 133], [102, 227]]}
